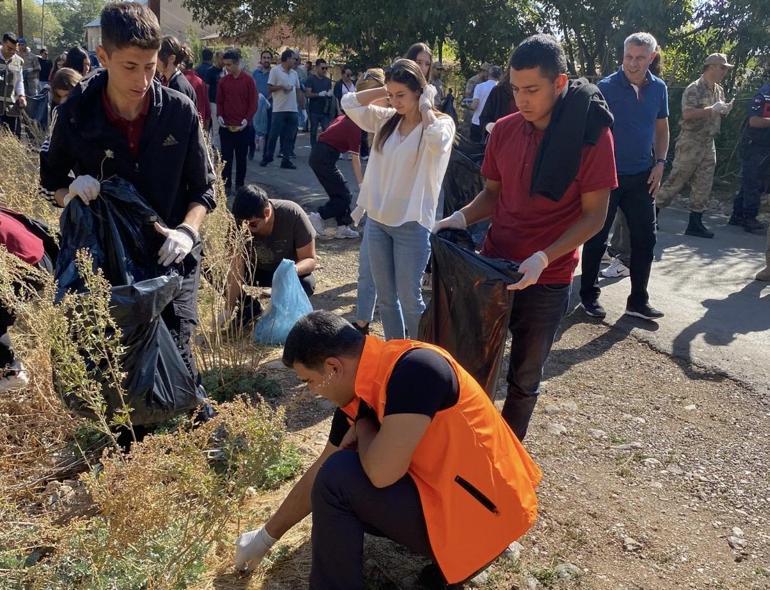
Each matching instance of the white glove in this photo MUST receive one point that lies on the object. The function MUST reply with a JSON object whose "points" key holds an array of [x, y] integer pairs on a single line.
{"points": [[721, 107], [455, 221], [357, 215], [244, 122], [427, 97], [179, 243], [531, 268], [86, 187], [489, 127], [221, 121], [251, 548]]}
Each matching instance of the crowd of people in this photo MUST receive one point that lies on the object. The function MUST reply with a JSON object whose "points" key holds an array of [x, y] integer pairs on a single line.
{"points": [[417, 451]]}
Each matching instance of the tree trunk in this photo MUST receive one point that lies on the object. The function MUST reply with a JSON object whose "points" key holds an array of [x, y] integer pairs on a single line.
{"points": [[19, 19], [154, 5]]}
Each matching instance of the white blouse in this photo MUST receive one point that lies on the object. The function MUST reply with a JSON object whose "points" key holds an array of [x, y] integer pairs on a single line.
{"points": [[403, 181]]}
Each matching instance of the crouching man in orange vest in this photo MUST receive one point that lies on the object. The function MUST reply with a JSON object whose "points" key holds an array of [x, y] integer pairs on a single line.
{"points": [[417, 453]]}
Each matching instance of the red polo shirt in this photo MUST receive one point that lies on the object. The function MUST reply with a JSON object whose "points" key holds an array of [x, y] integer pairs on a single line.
{"points": [[343, 135], [131, 129], [524, 223], [19, 241]]}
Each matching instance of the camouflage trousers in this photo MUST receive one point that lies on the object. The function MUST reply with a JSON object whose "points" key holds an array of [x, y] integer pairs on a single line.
{"points": [[694, 163]]}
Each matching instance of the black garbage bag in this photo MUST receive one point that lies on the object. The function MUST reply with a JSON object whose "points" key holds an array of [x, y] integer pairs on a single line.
{"points": [[470, 306], [118, 230], [462, 181]]}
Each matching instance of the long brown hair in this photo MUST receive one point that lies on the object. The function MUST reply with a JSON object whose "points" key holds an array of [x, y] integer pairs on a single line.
{"points": [[406, 72], [416, 50]]}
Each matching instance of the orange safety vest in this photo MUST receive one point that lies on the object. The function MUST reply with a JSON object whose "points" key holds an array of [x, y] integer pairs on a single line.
{"points": [[475, 479]]}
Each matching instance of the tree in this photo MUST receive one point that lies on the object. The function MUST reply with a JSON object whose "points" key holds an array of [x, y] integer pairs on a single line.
{"points": [[32, 13], [73, 15]]}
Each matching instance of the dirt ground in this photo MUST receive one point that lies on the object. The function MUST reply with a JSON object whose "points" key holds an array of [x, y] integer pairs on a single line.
{"points": [[652, 479]]}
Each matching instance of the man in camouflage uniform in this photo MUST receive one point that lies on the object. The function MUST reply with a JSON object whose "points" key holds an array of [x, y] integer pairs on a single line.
{"points": [[703, 106], [12, 97]]}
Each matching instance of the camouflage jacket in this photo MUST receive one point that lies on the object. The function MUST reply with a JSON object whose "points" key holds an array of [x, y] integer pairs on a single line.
{"points": [[697, 96]]}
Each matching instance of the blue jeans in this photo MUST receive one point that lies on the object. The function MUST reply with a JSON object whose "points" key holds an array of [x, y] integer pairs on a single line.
{"points": [[535, 318], [398, 256], [283, 125], [366, 296]]}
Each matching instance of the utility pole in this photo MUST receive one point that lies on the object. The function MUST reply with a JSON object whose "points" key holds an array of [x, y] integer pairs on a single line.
{"points": [[42, 25], [154, 6], [19, 19]]}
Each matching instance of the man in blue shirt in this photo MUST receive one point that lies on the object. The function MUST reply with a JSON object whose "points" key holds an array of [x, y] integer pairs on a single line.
{"points": [[261, 74], [639, 102], [755, 165]]}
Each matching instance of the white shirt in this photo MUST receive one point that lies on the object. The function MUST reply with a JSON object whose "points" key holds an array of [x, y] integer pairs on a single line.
{"points": [[481, 93], [403, 181], [283, 101]]}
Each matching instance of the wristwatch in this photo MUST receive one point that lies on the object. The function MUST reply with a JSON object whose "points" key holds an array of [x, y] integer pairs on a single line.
{"points": [[660, 161]]}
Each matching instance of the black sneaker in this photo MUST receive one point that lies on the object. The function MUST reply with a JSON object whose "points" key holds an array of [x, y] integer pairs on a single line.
{"points": [[288, 164], [753, 225], [264, 163], [643, 311], [735, 220], [594, 309]]}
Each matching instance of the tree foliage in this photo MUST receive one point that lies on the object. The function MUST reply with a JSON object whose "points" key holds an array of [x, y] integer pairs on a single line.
{"points": [[32, 15], [73, 15]]}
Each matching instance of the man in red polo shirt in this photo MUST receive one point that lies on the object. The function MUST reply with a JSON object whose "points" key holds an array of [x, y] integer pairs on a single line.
{"points": [[548, 174], [236, 106]]}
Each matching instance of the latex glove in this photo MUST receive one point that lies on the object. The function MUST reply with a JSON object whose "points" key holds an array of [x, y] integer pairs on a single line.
{"points": [[720, 107], [427, 97], [244, 122], [179, 243], [86, 187], [221, 120], [729, 107], [531, 268], [455, 221], [357, 214], [489, 127], [22, 102], [251, 548]]}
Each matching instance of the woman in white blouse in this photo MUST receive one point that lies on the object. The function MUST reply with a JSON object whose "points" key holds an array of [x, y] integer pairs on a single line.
{"points": [[412, 144]]}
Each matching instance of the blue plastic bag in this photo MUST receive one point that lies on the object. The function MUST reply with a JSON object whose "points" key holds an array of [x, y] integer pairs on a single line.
{"points": [[288, 303]]}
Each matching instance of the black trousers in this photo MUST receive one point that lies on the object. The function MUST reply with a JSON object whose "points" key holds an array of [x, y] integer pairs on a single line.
{"points": [[13, 123], [323, 161], [476, 134], [345, 506], [250, 309], [234, 146], [633, 198]]}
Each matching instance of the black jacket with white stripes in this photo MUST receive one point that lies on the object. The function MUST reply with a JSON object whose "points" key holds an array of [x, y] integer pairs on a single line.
{"points": [[173, 169]]}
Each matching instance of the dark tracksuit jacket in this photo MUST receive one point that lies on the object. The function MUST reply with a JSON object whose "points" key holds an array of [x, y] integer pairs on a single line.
{"points": [[172, 171]]}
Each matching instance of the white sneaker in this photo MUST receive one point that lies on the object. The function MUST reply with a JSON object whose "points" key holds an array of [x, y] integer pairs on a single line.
{"points": [[615, 270], [317, 222], [13, 377], [345, 232]]}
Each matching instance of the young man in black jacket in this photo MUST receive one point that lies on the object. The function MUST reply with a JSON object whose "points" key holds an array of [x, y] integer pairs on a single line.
{"points": [[122, 122]]}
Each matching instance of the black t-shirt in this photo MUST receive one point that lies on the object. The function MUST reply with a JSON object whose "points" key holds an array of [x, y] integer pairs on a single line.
{"points": [[212, 79], [319, 104], [179, 83], [45, 69], [291, 230], [422, 382]]}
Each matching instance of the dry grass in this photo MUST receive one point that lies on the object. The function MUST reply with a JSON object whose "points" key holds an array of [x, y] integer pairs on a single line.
{"points": [[161, 516]]}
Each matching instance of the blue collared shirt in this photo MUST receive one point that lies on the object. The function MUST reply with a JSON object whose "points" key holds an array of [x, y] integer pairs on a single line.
{"points": [[635, 118], [260, 78]]}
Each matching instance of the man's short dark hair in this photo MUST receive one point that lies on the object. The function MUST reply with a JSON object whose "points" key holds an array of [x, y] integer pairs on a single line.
{"points": [[232, 54], [540, 51], [129, 24], [318, 336], [207, 54], [287, 54], [250, 201], [264, 51], [10, 37], [320, 61], [495, 72]]}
